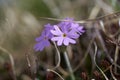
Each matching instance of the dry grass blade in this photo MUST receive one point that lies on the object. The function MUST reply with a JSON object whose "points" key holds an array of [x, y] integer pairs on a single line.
{"points": [[59, 58], [11, 61], [96, 63], [86, 53], [112, 73], [55, 73], [116, 55], [58, 63]]}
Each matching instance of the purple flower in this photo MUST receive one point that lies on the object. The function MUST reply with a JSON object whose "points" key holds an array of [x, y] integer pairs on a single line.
{"points": [[69, 23], [66, 23], [66, 32], [63, 36], [76, 27], [43, 40]]}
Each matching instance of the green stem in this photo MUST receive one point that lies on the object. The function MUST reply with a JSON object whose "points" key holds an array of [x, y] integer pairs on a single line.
{"points": [[69, 66]]}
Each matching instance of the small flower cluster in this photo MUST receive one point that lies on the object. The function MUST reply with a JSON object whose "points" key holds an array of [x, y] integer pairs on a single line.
{"points": [[63, 33]]}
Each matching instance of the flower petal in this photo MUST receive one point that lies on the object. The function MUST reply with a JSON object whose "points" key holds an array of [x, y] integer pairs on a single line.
{"points": [[55, 38], [73, 34], [74, 25], [68, 40], [72, 41], [55, 32], [39, 38], [57, 29], [80, 30], [46, 43], [39, 46], [59, 42]]}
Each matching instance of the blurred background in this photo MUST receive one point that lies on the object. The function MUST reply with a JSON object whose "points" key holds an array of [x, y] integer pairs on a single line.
{"points": [[20, 24]]}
